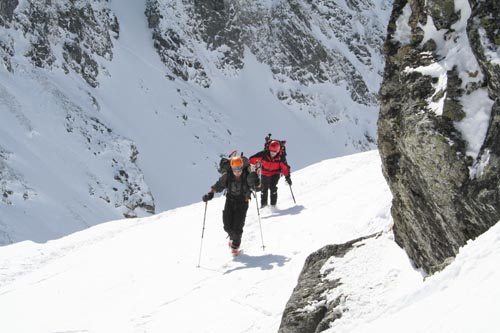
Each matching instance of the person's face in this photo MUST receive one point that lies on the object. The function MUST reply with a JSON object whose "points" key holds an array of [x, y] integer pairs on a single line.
{"points": [[237, 171], [274, 153]]}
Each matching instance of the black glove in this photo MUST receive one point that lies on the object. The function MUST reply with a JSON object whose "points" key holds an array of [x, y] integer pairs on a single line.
{"points": [[255, 188], [208, 196], [257, 185], [288, 180]]}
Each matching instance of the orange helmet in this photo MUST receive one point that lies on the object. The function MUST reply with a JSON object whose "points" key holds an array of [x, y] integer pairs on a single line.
{"points": [[274, 146], [236, 162]]}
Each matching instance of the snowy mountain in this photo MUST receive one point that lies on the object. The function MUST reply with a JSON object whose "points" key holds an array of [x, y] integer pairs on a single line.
{"points": [[122, 108], [142, 275], [112, 109]]}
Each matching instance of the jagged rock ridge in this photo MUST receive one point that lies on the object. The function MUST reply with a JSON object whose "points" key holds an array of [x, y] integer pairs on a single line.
{"points": [[295, 38]]}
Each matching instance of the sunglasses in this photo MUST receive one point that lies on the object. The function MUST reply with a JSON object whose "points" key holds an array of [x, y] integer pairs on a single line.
{"points": [[237, 169]]}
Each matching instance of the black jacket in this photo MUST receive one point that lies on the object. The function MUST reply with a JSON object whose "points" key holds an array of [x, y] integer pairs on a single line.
{"points": [[237, 190]]}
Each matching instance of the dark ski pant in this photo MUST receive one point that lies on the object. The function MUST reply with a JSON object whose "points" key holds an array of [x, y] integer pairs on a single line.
{"points": [[233, 217], [269, 183]]}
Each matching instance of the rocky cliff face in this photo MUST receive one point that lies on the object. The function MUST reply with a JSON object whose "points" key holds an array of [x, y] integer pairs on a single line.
{"points": [[83, 29], [295, 38], [439, 125]]}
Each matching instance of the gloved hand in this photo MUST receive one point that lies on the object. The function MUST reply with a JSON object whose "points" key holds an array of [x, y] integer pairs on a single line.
{"points": [[288, 180], [208, 196], [256, 188]]}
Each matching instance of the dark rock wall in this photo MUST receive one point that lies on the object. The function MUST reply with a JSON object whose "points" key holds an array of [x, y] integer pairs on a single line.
{"points": [[7, 11], [279, 35], [439, 202], [84, 29]]}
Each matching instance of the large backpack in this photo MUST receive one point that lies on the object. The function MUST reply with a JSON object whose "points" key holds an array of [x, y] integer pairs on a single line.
{"points": [[282, 146], [224, 163]]}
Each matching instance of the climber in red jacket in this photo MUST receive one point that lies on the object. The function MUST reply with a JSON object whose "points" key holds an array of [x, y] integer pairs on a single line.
{"points": [[271, 166]]}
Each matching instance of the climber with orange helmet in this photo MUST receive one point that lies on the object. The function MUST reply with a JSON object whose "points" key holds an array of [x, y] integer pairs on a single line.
{"points": [[239, 184], [272, 165]]}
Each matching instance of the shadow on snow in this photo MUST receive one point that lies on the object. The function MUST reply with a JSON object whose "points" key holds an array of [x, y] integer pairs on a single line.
{"points": [[264, 262], [289, 211]]}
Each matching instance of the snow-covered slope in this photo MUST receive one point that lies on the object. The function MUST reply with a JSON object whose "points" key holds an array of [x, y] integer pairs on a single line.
{"points": [[141, 275]]}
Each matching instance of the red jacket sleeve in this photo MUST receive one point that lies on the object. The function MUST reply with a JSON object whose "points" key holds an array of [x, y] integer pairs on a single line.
{"points": [[254, 160], [257, 157], [285, 169]]}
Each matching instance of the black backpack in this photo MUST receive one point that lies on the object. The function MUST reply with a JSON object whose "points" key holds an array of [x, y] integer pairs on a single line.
{"points": [[224, 163]]}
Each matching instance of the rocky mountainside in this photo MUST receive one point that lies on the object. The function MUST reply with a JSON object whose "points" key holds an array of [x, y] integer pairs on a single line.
{"points": [[280, 34], [98, 96], [439, 129], [67, 36], [305, 44]]}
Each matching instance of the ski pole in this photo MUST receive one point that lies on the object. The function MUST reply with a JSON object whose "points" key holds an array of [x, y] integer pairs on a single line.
{"points": [[202, 232], [260, 224], [292, 194]]}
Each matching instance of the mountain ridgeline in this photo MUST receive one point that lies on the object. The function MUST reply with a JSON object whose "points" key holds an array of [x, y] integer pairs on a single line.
{"points": [[280, 36]]}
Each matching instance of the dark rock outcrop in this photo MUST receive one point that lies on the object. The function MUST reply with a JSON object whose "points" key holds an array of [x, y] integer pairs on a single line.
{"points": [[7, 11], [220, 27], [444, 192], [173, 43], [308, 310], [83, 29]]}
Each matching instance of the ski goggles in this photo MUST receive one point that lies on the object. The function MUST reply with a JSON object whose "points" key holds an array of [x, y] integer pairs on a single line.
{"points": [[237, 169]]}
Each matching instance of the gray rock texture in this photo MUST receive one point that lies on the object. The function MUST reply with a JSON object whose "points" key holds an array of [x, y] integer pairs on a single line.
{"points": [[278, 34], [442, 194], [84, 29], [7, 11], [307, 310]]}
